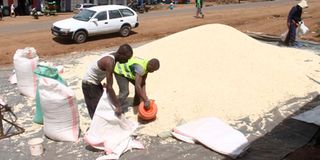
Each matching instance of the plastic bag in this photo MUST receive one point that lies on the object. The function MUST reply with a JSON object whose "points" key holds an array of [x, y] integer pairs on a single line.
{"points": [[303, 29], [284, 36]]}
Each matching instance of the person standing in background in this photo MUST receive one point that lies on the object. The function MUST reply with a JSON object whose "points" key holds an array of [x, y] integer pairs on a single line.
{"points": [[12, 13], [293, 21], [1, 15], [171, 6], [199, 4]]}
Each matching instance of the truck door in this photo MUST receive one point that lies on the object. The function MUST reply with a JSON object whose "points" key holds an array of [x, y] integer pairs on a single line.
{"points": [[101, 26], [115, 20]]}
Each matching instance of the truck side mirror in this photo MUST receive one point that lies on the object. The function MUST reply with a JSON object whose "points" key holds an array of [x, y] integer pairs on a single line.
{"points": [[95, 20]]}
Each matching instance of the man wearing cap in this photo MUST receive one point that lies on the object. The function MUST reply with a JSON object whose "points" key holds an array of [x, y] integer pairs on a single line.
{"points": [[294, 18], [134, 71]]}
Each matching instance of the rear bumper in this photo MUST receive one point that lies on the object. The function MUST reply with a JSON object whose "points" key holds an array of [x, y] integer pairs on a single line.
{"points": [[137, 24]]}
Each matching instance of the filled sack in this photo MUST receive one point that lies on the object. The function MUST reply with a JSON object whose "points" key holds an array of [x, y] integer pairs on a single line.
{"points": [[49, 72], [25, 62], [214, 134], [60, 111]]}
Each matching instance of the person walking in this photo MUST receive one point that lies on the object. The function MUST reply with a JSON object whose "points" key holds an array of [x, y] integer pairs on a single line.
{"points": [[199, 4], [293, 21], [1, 14], [134, 71], [171, 6], [12, 13], [103, 68]]}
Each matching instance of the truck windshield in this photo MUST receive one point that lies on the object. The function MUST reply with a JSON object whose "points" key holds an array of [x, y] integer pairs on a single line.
{"points": [[84, 15]]}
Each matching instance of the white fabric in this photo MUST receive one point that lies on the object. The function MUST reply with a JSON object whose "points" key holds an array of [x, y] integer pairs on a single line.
{"points": [[12, 8], [2, 102], [60, 111], [184, 138], [311, 116], [13, 78], [25, 62], [215, 134], [109, 132]]}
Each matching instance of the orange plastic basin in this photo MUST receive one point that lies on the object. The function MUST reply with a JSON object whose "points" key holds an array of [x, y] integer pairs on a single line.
{"points": [[148, 114]]}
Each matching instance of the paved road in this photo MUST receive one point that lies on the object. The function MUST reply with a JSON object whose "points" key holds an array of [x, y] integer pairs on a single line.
{"points": [[46, 25]]}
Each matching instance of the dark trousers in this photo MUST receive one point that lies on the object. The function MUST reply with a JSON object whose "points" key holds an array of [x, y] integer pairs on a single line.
{"points": [[92, 94], [123, 84], [291, 36]]}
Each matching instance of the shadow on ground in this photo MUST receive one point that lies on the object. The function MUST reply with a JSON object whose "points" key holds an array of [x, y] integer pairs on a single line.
{"points": [[66, 41], [285, 138]]}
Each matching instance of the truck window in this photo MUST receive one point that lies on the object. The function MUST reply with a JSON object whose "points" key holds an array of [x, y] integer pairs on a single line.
{"points": [[113, 14], [101, 16], [126, 12]]}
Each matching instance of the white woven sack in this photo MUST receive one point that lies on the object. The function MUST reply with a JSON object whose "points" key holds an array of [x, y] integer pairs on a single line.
{"points": [[110, 132], [213, 133], [25, 62], [60, 111]]}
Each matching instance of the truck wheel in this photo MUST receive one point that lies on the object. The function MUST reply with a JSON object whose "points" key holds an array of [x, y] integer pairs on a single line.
{"points": [[80, 37], [125, 31]]}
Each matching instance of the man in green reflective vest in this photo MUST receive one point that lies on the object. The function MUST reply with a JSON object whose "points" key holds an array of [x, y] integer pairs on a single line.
{"points": [[134, 71]]}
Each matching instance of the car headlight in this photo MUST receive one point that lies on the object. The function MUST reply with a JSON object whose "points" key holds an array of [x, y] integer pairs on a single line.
{"points": [[64, 30]]}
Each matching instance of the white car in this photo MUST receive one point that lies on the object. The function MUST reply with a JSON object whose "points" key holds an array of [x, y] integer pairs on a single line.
{"points": [[97, 20]]}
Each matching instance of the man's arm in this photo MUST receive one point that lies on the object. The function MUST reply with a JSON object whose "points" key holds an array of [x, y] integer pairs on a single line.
{"points": [[110, 91], [140, 84]]}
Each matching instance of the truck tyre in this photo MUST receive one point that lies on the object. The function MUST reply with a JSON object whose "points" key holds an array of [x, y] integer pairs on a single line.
{"points": [[80, 37], [125, 31]]}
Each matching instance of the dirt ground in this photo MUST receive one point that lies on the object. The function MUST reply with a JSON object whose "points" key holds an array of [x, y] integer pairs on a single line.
{"points": [[269, 19]]}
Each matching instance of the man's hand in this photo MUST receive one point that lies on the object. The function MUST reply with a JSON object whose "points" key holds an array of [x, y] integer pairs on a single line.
{"points": [[118, 111], [147, 105]]}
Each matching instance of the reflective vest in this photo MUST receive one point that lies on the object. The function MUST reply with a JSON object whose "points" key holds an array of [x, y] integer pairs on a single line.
{"points": [[127, 70]]}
